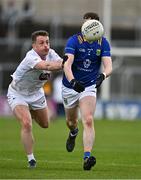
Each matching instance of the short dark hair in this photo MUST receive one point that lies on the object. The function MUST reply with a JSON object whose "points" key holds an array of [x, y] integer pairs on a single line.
{"points": [[35, 34], [91, 15]]}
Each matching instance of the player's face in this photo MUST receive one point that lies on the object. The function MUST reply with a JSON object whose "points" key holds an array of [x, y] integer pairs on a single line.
{"points": [[41, 45]]}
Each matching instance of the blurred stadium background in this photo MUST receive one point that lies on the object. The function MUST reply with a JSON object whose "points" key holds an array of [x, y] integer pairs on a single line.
{"points": [[120, 95]]}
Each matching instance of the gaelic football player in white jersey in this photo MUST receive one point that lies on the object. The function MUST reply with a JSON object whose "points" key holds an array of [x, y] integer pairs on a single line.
{"points": [[25, 93]]}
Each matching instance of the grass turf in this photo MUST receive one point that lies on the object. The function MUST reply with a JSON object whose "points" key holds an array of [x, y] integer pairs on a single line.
{"points": [[117, 149]]}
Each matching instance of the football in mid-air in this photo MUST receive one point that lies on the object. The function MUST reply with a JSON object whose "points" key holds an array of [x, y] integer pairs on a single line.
{"points": [[92, 30]]}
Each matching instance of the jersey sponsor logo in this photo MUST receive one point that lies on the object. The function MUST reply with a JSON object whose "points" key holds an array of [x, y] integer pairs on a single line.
{"points": [[86, 70], [87, 63]]}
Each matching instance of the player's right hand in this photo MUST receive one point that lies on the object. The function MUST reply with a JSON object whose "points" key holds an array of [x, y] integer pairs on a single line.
{"points": [[77, 86]]}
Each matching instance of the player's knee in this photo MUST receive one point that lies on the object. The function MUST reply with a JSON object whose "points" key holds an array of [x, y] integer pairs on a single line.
{"points": [[71, 124], [27, 126], [44, 125], [89, 121]]}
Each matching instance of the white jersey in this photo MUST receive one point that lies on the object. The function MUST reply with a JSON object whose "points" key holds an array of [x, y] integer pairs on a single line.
{"points": [[26, 79]]}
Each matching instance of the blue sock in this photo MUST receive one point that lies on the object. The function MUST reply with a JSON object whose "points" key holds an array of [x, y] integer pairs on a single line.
{"points": [[87, 154]]}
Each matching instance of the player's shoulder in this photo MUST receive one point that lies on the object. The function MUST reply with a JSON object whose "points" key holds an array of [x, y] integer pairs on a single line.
{"points": [[51, 51], [104, 42], [53, 55], [30, 57], [31, 53], [77, 38], [104, 39]]}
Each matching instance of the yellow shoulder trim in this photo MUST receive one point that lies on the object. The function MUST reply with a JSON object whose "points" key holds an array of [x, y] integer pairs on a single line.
{"points": [[80, 39], [100, 41]]}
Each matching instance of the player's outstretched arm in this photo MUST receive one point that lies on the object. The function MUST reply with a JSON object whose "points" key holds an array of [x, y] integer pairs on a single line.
{"points": [[50, 65]]}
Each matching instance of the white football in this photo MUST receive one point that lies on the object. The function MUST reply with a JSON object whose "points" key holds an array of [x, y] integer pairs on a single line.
{"points": [[92, 30]]}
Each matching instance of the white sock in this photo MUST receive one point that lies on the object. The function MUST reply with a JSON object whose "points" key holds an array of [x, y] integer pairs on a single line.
{"points": [[30, 157]]}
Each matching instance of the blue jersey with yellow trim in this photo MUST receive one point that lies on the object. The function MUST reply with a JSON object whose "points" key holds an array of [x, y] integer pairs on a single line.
{"points": [[87, 58]]}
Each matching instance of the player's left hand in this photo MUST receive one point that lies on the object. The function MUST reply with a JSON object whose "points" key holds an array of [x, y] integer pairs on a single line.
{"points": [[77, 86], [99, 80]]}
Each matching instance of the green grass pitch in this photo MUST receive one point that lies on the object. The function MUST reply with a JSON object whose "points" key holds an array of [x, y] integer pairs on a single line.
{"points": [[117, 149]]}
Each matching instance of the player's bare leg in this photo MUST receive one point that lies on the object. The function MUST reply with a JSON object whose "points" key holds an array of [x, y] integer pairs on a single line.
{"points": [[87, 109], [23, 115], [71, 120], [41, 117]]}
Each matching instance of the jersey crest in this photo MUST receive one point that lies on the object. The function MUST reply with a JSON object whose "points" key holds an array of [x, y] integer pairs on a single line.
{"points": [[98, 52]]}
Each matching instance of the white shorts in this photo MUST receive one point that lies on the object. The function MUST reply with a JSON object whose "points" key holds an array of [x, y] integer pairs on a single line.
{"points": [[35, 101], [71, 97]]}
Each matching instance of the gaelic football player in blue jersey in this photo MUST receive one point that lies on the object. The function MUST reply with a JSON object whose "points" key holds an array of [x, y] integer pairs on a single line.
{"points": [[81, 79]]}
